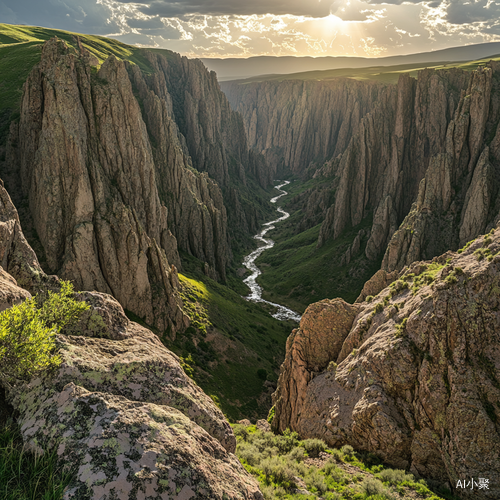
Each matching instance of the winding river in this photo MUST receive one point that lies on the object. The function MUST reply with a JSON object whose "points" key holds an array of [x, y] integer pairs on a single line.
{"points": [[282, 312]]}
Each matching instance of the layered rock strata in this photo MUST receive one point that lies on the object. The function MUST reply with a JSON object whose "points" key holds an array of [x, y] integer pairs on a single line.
{"points": [[412, 375]]}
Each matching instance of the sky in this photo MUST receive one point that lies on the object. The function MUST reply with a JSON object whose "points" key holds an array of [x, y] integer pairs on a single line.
{"points": [[244, 28]]}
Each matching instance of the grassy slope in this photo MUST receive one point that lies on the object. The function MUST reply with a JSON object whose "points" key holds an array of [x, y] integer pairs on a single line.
{"points": [[386, 74], [232, 347], [20, 50], [296, 273], [285, 464]]}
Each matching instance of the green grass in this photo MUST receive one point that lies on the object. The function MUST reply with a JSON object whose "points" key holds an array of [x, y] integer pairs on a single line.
{"points": [[282, 464], [384, 74], [296, 273], [232, 346], [21, 47], [25, 475]]}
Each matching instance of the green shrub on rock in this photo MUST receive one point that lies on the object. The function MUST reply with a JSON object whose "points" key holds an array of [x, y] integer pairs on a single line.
{"points": [[28, 330]]}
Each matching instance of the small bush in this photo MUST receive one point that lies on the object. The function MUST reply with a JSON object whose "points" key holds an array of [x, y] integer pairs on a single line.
{"points": [[297, 454], [348, 451], [316, 481], [337, 455], [314, 447], [369, 298], [373, 487], [394, 477], [379, 307], [28, 330]]}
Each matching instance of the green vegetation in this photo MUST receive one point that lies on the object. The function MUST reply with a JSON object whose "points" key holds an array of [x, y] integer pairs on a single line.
{"points": [[296, 273], [233, 348], [27, 333], [383, 74], [25, 475], [284, 464], [21, 48]]}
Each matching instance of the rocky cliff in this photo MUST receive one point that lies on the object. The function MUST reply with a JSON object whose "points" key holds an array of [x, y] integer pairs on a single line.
{"points": [[412, 374], [122, 168], [458, 198], [425, 161], [294, 123], [119, 412]]}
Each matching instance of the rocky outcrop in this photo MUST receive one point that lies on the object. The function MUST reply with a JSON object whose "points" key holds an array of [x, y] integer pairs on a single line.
{"points": [[119, 412], [323, 329], [10, 293], [294, 123], [16, 256], [458, 198], [124, 418], [417, 379]]}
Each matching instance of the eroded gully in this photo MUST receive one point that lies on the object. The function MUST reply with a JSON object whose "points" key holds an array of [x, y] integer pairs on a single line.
{"points": [[282, 312]]}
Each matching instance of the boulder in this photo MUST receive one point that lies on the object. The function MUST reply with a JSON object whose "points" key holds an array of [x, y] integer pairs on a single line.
{"points": [[124, 417]]}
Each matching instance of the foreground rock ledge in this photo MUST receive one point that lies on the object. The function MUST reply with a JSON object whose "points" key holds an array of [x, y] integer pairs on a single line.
{"points": [[417, 379], [121, 412]]}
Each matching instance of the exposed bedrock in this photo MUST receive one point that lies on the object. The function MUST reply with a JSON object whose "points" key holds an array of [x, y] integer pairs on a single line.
{"points": [[416, 379]]}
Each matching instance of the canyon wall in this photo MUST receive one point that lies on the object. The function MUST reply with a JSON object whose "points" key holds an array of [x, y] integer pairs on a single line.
{"points": [[294, 123], [115, 188], [389, 149], [411, 374]]}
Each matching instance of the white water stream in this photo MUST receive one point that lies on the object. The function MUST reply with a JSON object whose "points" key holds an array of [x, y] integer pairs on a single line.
{"points": [[282, 313]]}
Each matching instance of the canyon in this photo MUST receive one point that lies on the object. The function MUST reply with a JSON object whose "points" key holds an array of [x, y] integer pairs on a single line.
{"points": [[140, 179]]}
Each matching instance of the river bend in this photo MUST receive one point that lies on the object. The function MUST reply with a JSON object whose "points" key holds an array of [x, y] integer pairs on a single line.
{"points": [[282, 312]]}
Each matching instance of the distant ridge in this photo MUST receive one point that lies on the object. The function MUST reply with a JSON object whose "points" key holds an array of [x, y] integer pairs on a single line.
{"points": [[235, 69]]}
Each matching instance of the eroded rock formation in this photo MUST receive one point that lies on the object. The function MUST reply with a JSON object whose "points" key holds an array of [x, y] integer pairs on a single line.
{"points": [[417, 378], [119, 412], [294, 123]]}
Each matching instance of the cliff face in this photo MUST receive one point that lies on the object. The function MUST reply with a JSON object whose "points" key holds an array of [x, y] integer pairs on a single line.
{"points": [[425, 161], [106, 159], [459, 196], [411, 375], [118, 412], [88, 171], [380, 171], [294, 123]]}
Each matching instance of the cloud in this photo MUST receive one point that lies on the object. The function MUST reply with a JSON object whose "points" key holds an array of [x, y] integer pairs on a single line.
{"points": [[485, 11], [172, 8], [73, 15]]}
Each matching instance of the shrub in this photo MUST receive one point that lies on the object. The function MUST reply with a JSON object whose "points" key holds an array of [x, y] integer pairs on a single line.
{"points": [[286, 442], [262, 373], [316, 480], [297, 454], [394, 477], [337, 455], [314, 447], [28, 330], [369, 298], [249, 453], [379, 307], [348, 451], [276, 470], [373, 487]]}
